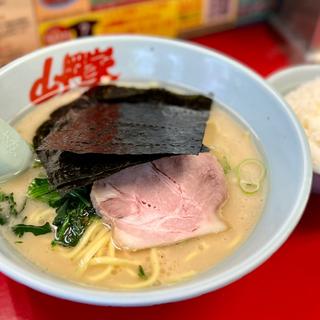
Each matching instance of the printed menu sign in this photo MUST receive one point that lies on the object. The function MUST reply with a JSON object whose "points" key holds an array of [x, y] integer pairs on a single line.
{"points": [[18, 33]]}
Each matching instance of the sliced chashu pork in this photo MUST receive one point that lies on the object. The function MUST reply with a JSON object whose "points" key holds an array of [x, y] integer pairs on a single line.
{"points": [[162, 202]]}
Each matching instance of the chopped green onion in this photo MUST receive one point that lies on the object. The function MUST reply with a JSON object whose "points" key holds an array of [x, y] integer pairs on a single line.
{"points": [[141, 272], [249, 187], [222, 159], [225, 164], [250, 174]]}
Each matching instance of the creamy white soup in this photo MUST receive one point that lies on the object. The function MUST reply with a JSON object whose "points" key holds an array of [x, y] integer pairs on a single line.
{"points": [[96, 261]]}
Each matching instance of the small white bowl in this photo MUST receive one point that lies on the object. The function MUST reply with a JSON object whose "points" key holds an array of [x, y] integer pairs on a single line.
{"points": [[288, 79]]}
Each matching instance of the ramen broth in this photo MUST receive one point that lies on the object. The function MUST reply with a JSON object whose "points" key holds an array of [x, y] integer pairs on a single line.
{"points": [[178, 261]]}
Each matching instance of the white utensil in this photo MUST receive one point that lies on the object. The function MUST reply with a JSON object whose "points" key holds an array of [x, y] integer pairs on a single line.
{"points": [[15, 153]]}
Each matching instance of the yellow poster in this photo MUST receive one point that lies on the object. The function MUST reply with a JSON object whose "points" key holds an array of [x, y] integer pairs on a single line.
{"points": [[158, 17], [190, 14]]}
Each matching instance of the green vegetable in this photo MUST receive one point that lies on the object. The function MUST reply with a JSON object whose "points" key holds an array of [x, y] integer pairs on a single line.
{"points": [[250, 174], [21, 229], [3, 220], [2, 196], [32, 148], [73, 217], [36, 163], [74, 210], [222, 159], [225, 164], [8, 207], [40, 189], [249, 187], [23, 205], [8, 199], [18, 242], [141, 272], [12, 204]]}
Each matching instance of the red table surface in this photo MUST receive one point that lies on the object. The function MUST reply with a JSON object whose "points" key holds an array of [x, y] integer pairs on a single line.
{"points": [[284, 287]]}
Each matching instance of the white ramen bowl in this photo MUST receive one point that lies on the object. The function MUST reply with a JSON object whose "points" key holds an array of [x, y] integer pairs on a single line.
{"points": [[288, 79], [176, 63]]}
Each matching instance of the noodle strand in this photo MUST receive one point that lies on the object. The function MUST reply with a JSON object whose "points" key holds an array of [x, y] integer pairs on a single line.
{"points": [[92, 250], [112, 261], [154, 276], [109, 268]]}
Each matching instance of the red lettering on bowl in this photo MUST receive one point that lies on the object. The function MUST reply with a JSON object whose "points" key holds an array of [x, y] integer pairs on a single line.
{"points": [[83, 69]]}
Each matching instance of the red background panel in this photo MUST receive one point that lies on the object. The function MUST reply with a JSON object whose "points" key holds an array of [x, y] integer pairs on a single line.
{"points": [[284, 287], [256, 46]]}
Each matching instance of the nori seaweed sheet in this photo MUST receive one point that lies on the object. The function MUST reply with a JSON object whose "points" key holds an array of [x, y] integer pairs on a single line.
{"points": [[84, 140], [112, 93]]}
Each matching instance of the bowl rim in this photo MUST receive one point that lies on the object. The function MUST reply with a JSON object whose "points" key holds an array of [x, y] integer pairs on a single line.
{"points": [[185, 290], [283, 75]]}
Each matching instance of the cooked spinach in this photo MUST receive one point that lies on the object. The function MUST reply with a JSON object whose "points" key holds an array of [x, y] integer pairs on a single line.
{"points": [[8, 207], [21, 229], [74, 210], [12, 204], [73, 217], [40, 189], [8, 200], [3, 219]]}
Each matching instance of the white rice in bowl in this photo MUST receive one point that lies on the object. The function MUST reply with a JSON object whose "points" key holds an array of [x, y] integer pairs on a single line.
{"points": [[305, 101]]}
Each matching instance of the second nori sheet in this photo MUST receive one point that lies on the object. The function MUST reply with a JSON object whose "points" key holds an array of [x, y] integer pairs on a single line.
{"points": [[69, 146]]}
